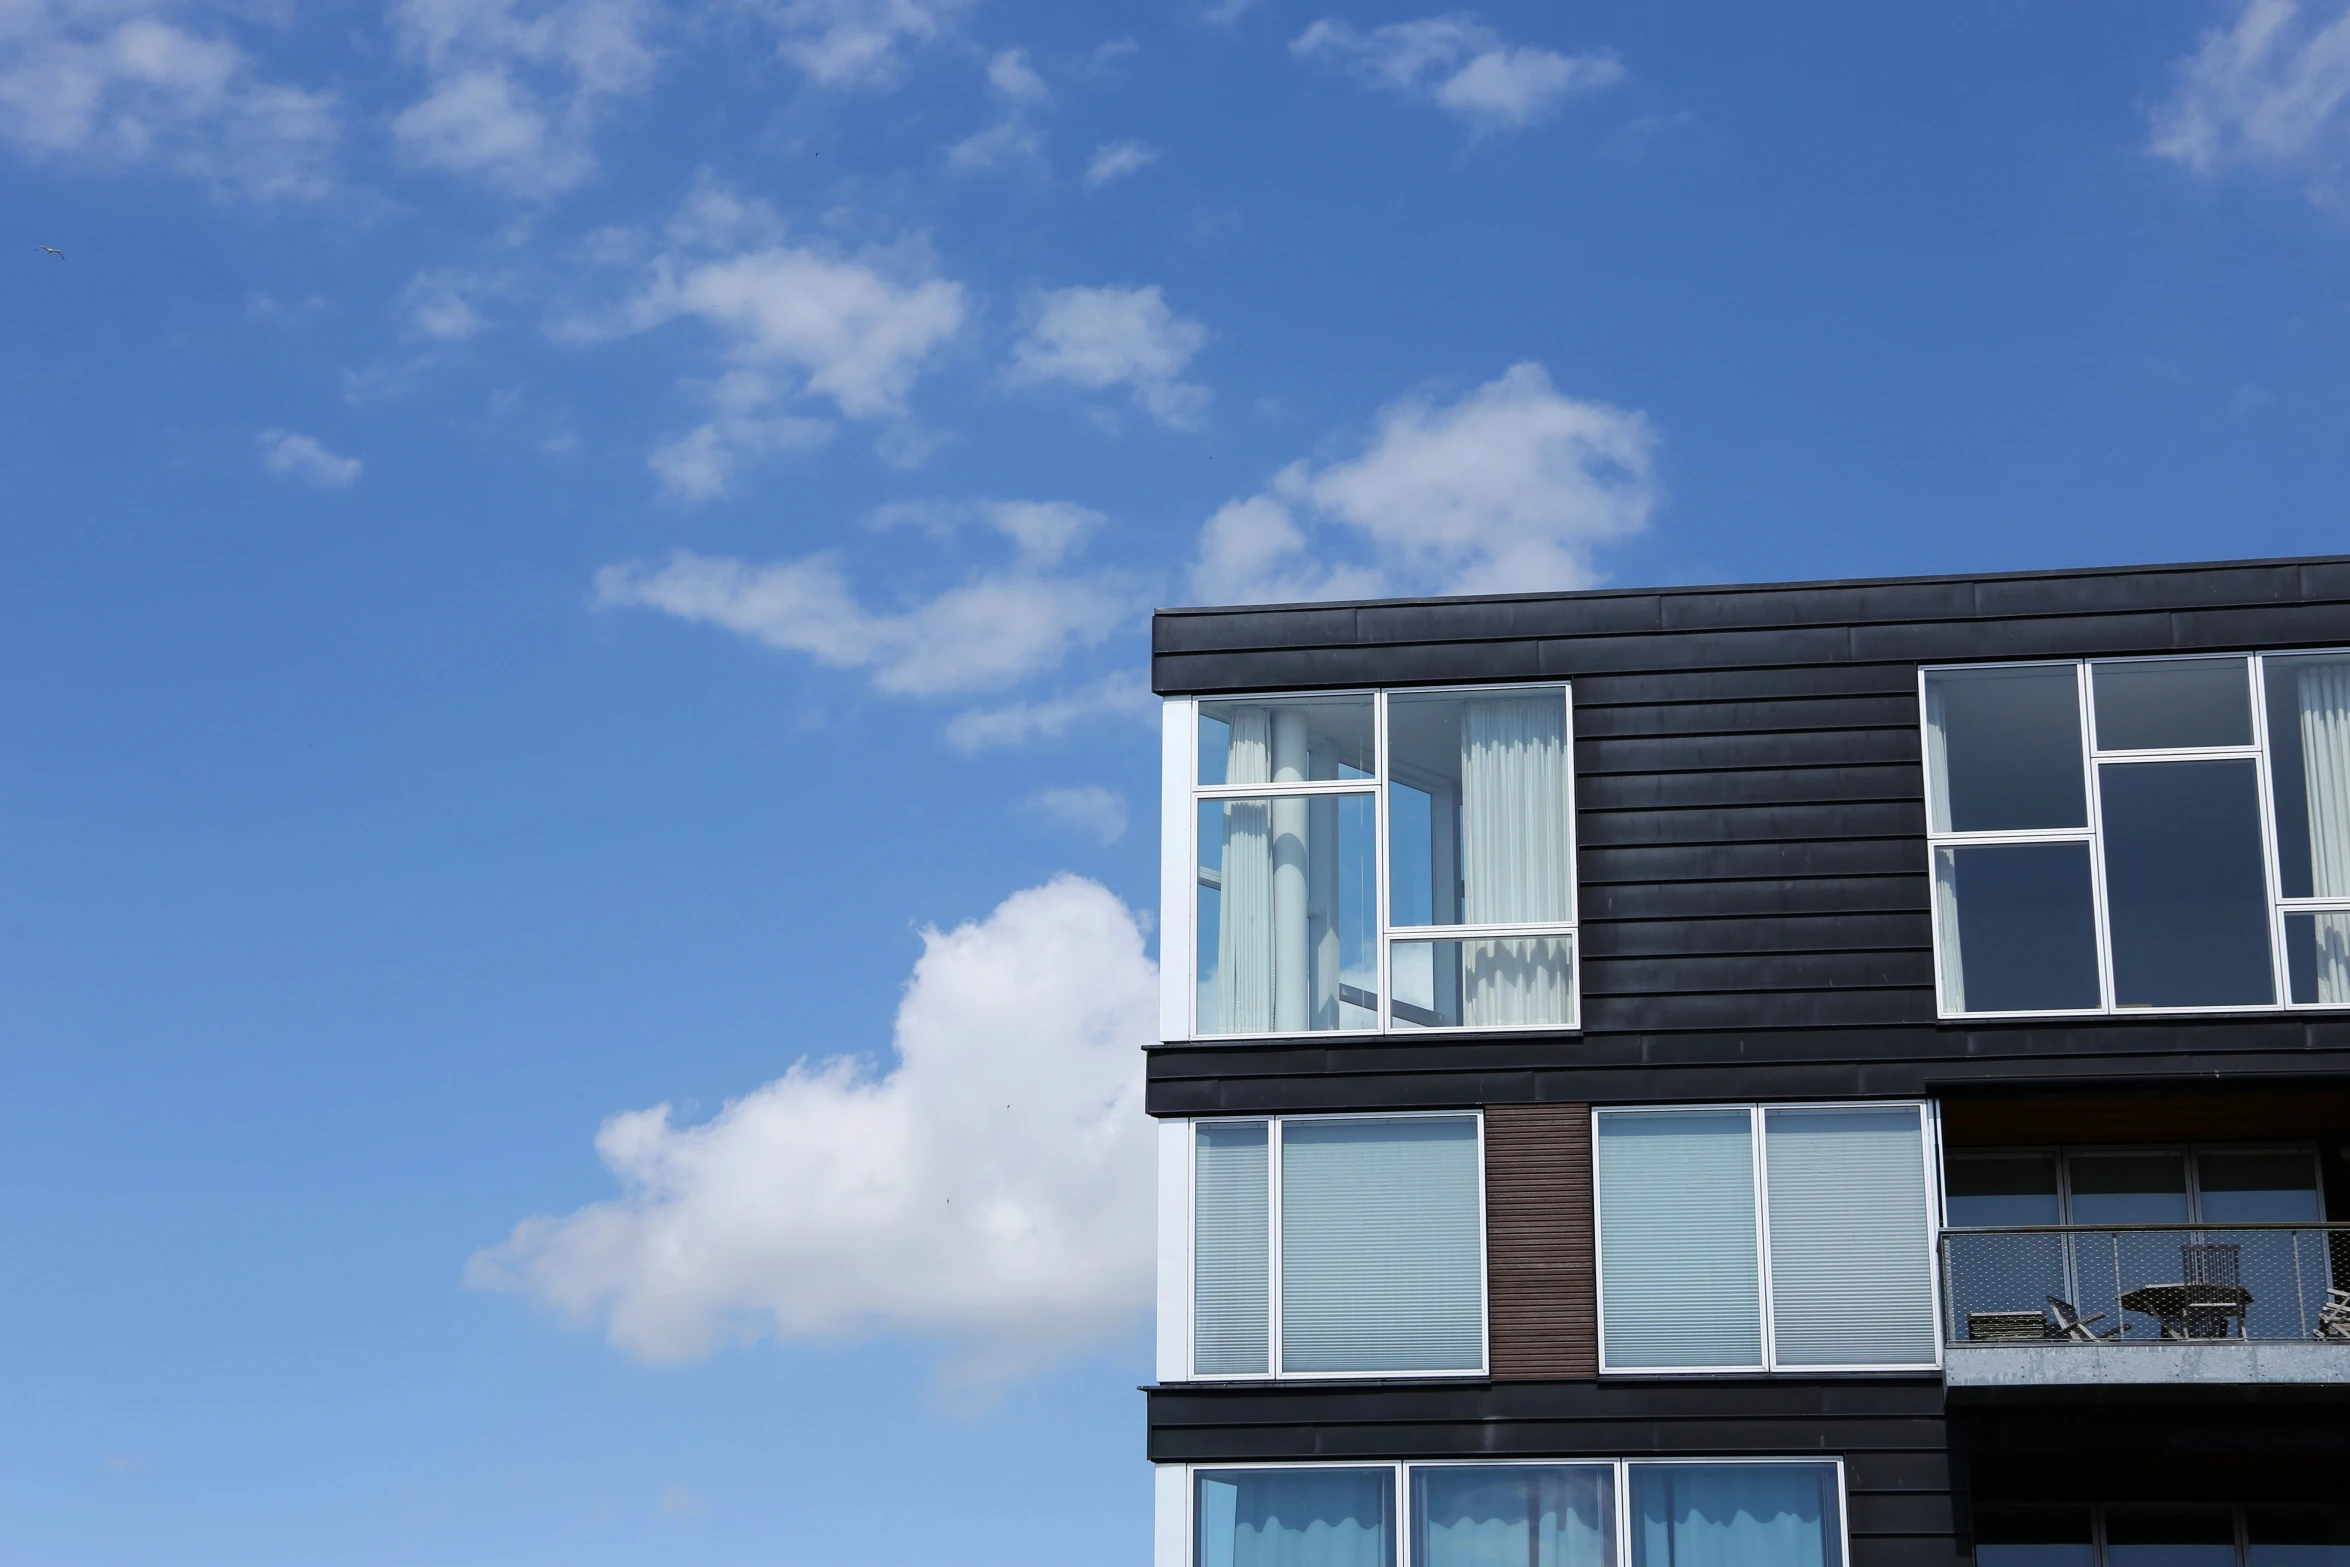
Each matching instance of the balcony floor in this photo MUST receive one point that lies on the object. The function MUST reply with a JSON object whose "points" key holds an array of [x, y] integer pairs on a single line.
{"points": [[2215, 1363]]}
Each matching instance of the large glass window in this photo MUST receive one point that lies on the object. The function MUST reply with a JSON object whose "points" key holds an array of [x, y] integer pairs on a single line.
{"points": [[1337, 1246], [1395, 860], [1693, 1201], [2140, 834], [1693, 1513], [2311, 1536]]}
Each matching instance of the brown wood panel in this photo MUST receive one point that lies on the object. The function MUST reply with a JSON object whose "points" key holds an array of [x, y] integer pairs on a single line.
{"points": [[1541, 1309]]}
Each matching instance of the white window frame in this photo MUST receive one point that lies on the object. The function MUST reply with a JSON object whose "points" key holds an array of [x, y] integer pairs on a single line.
{"points": [[1929, 1150], [1177, 1341], [1182, 794], [2093, 834], [1176, 1488]]}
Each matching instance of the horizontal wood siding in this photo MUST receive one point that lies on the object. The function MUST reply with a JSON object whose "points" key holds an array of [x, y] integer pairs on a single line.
{"points": [[1751, 822], [1541, 1311]]}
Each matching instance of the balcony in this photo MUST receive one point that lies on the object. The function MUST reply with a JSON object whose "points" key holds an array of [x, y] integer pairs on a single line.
{"points": [[2143, 1304]]}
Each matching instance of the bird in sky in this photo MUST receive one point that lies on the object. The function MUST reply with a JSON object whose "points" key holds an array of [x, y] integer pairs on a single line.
{"points": [[54, 251]]}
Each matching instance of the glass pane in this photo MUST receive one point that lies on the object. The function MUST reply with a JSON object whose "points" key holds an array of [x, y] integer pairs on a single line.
{"points": [[2170, 1537], [2018, 927], [1287, 891], [2309, 768], [1382, 1245], [2126, 1188], [2186, 888], [1735, 1515], [2129, 1188], [2003, 749], [2164, 703], [2317, 955], [1680, 1280], [1291, 740], [2034, 1537], [2299, 1536], [1988, 1189], [1514, 1515], [1232, 1220], [2258, 1187], [1479, 808], [1295, 1518], [1852, 1278], [1503, 982]]}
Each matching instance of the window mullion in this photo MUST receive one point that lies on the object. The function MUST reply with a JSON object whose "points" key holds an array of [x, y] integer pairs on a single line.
{"points": [[2096, 812], [1273, 1126], [1380, 868], [1762, 1236]]}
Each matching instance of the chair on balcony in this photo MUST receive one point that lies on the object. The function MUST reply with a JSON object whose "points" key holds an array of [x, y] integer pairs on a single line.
{"points": [[2333, 1318], [2070, 1324], [2220, 1266], [2006, 1327]]}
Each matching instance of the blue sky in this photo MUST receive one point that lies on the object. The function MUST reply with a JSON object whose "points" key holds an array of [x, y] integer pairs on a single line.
{"points": [[576, 599]]}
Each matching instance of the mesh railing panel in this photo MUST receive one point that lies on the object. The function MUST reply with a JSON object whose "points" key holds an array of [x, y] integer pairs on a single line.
{"points": [[2147, 1284]]}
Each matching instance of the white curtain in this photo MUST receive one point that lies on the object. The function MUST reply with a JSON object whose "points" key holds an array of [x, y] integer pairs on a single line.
{"points": [[1515, 863], [1937, 758], [2325, 769], [1244, 928], [1951, 957]]}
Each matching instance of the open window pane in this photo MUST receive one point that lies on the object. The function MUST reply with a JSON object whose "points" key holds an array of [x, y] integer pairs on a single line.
{"points": [[1232, 1220], [1479, 808], [2034, 1537], [1680, 1277], [2018, 927], [1498, 982], [1294, 1518], [2003, 749], [1287, 890], [2309, 768], [1852, 1280], [1299, 739], [1514, 1515], [2186, 884], [1382, 1245], [1735, 1515], [2169, 703]]}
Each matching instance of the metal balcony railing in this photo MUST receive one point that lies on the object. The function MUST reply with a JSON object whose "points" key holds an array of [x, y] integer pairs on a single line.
{"points": [[2147, 1283]]}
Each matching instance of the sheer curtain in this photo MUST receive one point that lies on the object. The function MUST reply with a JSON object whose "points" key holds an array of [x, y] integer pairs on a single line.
{"points": [[1295, 1518], [1734, 1515], [1244, 928], [1514, 856], [1519, 1516], [2325, 768]]}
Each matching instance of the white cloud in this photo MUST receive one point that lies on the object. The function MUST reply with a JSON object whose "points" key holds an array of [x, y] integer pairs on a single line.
{"points": [[2272, 90], [1462, 66], [1009, 73], [1098, 338], [745, 426], [993, 1188], [1507, 488], [1014, 138], [995, 629], [514, 87], [858, 43], [119, 86], [304, 457], [1044, 532], [439, 305], [1114, 160], [1089, 812], [1121, 698]]}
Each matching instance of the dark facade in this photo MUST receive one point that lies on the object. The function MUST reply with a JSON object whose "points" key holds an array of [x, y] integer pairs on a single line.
{"points": [[1757, 926]]}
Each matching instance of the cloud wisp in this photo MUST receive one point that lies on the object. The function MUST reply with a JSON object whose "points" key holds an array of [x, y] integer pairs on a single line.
{"points": [[851, 45], [304, 458], [1115, 160], [1088, 811], [1507, 487], [2270, 91], [1119, 698], [991, 1189], [1461, 66], [1098, 339]]}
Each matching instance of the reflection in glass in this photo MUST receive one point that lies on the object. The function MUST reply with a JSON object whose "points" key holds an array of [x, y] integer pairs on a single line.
{"points": [[1499, 982], [1294, 1518], [1287, 890], [2299, 1537], [2317, 956], [2185, 883], [2170, 1537], [2258, 1188], [1997, 1189], [2170, 703], [2018, 927], [1735, 1515], [2003, 749], [1478, 808], [1291, 740], [2129, 1188], [1514, 1515], [2034, 1537]]}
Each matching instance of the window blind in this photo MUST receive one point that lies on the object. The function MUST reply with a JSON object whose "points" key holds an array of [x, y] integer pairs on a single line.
{"points": [[1851, 1279], [1230, 1276], [1382, 1246], [1680, 1274]]}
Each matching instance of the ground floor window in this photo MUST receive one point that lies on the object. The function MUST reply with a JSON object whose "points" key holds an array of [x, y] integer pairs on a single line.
{"points": [[2162, 1537], [1589, 1514]]}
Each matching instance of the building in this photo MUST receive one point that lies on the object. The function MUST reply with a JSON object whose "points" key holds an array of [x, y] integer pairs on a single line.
{"points": [[1800, 1074]]}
